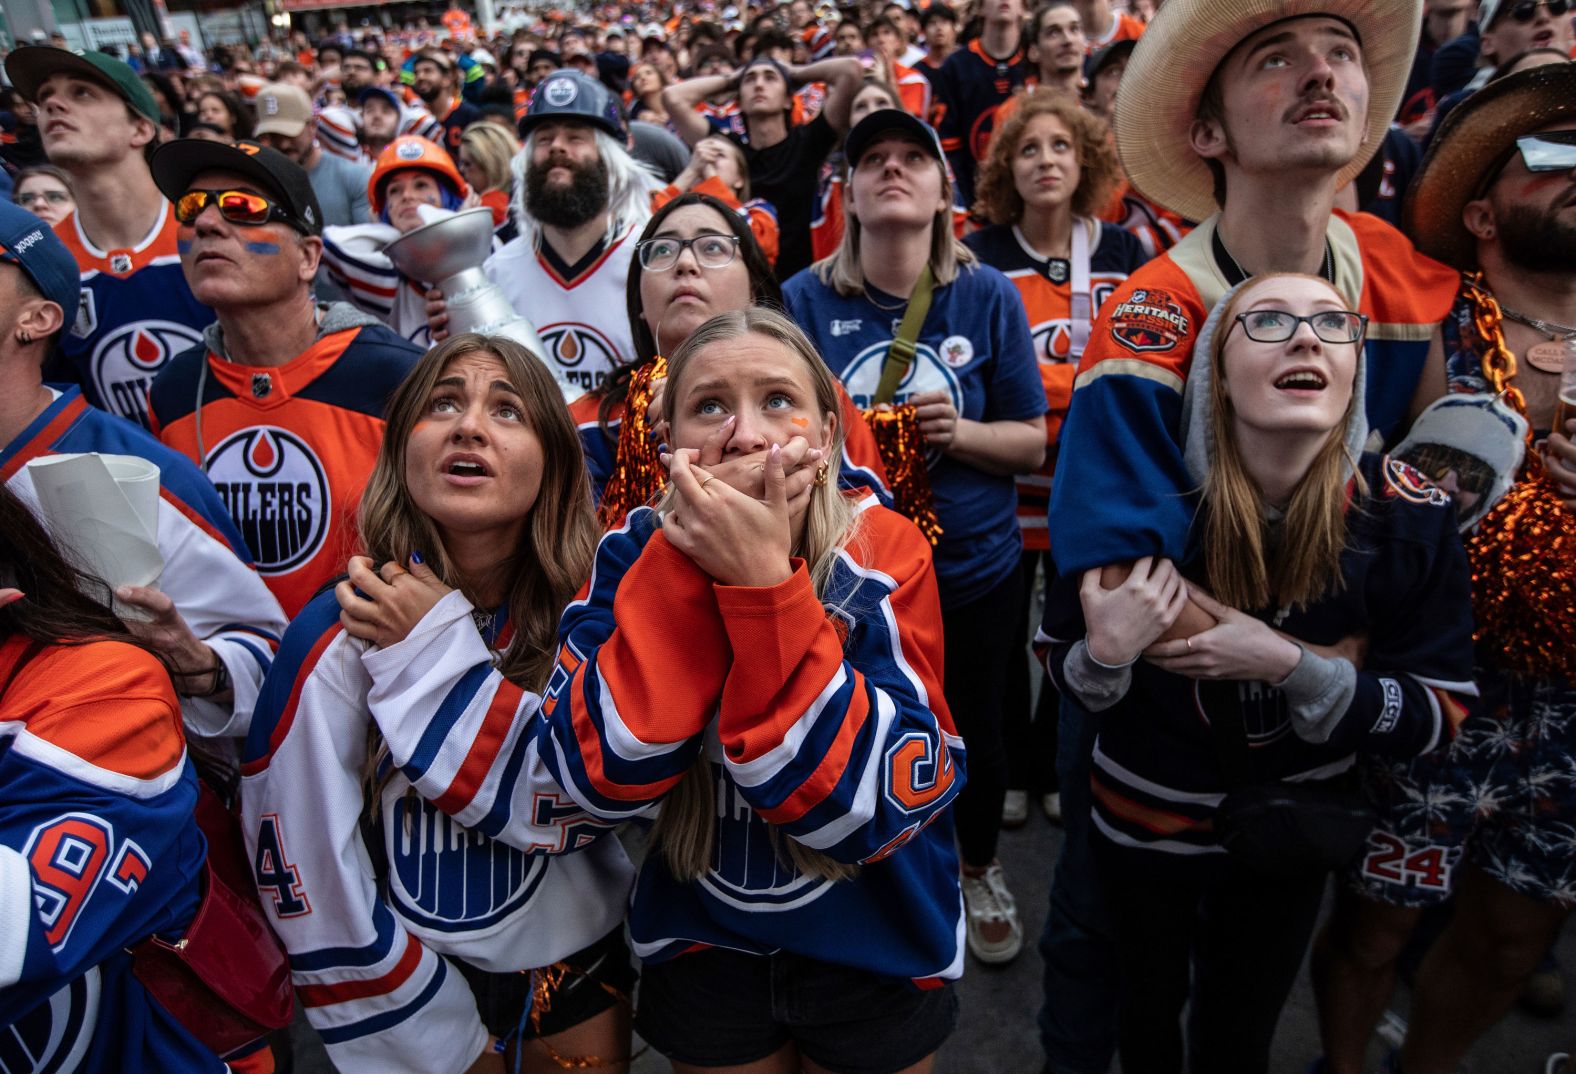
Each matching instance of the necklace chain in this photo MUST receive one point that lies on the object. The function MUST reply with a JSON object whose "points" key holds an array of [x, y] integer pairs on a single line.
{"points": [[884, 309], [1552, 328]]}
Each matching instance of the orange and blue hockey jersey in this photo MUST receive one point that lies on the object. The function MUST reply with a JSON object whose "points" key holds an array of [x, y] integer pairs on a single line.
{"points": [[471, 838], [1157, 777], [136, 314], [208, 569], [973, 85], [98, 851], [823, 720], [1045, 285], [289, 447], [1120, 488]]}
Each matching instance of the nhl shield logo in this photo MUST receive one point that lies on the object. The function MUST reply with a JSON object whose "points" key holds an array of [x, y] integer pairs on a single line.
{"points": [[262, 385], [277, 492], [120, 264]]}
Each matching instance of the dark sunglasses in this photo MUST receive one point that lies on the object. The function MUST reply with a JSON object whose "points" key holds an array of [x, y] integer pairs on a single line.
{"points": [[1527, 10], [1551, 151], [237, 206]]}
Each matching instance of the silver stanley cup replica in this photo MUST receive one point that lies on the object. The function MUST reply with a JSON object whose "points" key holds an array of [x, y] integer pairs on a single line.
{"points": [[450, 251]]}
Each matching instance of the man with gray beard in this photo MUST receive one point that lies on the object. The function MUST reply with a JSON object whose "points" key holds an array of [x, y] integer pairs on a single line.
{"points": [[582, 200]]}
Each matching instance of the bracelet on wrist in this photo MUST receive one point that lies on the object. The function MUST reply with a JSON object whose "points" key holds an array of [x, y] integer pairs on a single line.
{"points": [[1097, 662]]}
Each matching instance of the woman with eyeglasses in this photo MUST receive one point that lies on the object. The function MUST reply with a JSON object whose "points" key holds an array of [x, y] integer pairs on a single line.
{"points": [[696, 258], [45, 191], [1299, 542]]}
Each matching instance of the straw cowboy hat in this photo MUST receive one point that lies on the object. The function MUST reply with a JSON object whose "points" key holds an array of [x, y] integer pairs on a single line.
{"points": [[1474, 141], [1180, 51]]}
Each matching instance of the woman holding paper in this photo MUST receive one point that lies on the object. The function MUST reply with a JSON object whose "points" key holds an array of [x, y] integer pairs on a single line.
{"points": [[478, 529]]}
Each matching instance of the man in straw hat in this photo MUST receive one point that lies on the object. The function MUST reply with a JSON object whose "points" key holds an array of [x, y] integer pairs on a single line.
{"points": [[1496, 196], [1249, 116]]}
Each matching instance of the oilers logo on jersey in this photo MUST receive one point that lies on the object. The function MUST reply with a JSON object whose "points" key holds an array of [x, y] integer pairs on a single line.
{"points": [[277, 492], [126, 360], [750, 868], [445, 878], [929, 372], [584, 357]]}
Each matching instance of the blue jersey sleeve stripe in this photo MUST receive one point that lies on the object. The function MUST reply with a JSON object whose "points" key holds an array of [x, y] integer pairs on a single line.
{"points": [[379, 1022], [443, 720], [309, 633], [264, 659]]}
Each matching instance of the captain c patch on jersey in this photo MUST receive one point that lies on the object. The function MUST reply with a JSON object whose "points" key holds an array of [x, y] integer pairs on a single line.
{"points": [[277, 492]]}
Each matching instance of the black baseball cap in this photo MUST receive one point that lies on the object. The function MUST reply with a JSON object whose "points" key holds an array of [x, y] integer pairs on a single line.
{"points": [[175, 164], [885, 121], [31, 65], [1105, 57], [28, 242]]}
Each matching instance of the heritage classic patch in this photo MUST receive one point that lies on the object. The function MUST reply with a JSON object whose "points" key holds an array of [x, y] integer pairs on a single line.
{"points": [[1149, 321]]}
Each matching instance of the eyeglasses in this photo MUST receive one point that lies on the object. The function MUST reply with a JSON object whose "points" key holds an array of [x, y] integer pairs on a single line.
{"points": [[54, 197], [1277, 326], [237, 206], [1527, 10], [711, 251]]}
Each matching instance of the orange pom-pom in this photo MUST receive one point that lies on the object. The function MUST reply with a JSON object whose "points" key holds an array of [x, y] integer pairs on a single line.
{"points": [[902, 447], [1523, 557], [637, 474]]}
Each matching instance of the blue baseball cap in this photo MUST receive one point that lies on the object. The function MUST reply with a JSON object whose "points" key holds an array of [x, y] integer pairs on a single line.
{"points": [[568, 94], [28, 242]]}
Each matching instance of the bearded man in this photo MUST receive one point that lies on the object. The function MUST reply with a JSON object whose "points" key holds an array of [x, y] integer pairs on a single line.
{"points": [[581, 200]]}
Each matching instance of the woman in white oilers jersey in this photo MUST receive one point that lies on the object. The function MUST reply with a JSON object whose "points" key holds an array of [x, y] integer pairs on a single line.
{"points": [[431, 925], [981, 407]]}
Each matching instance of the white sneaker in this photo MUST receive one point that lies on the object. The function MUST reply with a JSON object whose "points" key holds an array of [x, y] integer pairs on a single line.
{"points": [[1052, 804], [1015, 809], [995, 935]]}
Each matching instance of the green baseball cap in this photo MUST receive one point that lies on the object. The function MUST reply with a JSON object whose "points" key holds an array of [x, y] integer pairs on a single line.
{"points": [[31, 65]]}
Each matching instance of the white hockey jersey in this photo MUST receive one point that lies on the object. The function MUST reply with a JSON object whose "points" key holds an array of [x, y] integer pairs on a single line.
{"points": [[582, 319], [368, 943]]}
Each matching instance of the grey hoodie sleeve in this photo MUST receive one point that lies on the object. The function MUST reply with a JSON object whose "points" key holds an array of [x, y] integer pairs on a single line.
{"points": [[1318, 691], [1095, 686]]}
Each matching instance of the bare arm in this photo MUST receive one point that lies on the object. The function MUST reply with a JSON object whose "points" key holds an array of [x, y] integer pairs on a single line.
{"points": [[1000, 447], [681, 98]]}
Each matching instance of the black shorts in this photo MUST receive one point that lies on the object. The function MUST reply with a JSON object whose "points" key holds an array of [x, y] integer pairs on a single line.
{"points": [[716, 1008], [588, 982]]}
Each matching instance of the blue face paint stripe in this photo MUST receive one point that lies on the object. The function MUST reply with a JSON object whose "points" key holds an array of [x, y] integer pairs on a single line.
{"points": [[183, 246], [270, 249]]}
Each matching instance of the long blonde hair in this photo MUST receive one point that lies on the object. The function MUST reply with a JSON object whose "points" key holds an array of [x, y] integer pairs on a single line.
{"points": [[948, 255], [492, 148], [1305, 564], [686, 829]]}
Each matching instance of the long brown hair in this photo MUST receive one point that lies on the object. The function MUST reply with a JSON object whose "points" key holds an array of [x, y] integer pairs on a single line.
{"points": [[686, 829], [1305, 564], [556, 546]]}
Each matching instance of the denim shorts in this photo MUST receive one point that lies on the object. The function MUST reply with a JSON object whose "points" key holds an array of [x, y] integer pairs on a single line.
{"points": [[716, 1008], [583, 985]]}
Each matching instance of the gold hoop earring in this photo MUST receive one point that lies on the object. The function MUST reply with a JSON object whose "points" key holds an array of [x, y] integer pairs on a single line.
{"points": [[820, 475]]}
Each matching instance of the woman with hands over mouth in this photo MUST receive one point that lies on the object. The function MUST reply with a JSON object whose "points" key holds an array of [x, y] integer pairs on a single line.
{"points": [[756, 662], [1301, 544], [442, 875]]}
